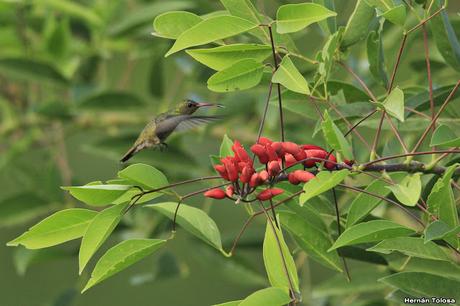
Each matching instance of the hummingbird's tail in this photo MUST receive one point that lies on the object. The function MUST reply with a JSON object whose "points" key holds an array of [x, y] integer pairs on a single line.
{"points": [[129, 154]]}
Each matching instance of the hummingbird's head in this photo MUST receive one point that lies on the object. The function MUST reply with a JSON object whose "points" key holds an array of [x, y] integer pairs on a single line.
{"points": [[189, 106]]}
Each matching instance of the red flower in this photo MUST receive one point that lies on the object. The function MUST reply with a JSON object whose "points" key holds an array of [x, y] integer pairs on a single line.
{"points": [[260, 152], [263, 175], [264, 140], [273, 168], [221, 169], [290, 160], [301, 155], [278, 147], [267, 194], [292, 178], [231, 168], [333, 163], [240, 152], [215, 193], [246, 174], [321, 154], [290, 147], [311, 147], [229, 191], [271, 152], [302, 176]]}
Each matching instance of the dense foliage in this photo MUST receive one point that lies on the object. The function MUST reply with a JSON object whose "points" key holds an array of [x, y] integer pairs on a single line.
{"points": [[349, 118]]}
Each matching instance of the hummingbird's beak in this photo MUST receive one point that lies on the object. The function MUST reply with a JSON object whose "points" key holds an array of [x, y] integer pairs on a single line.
{"points": [[205, 104]]}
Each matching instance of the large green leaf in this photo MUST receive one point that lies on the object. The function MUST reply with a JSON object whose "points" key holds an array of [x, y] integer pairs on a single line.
{"points": [[334, 137], [98, 231], [295, 17], [443, 136], [376, 57], [98, 195], [144, 175], [111, 101], [439, 230], [223, 57], [411, 246], [311, 239], [288, 76], [446, 38], [274, 261], [60, 227], [226, 147], [323, 182], [209, 30], [358, 24], [194, 220], [424, 284], [120, 257], [232, 303], [394, 104], [244, 74], [371, 231], [441, 268], [173, 24], [396, 15], [32, 70], [272, 296], [409, 190]]}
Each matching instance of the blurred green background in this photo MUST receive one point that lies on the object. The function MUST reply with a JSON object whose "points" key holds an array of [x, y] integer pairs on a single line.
{"points": [[78, 80]]}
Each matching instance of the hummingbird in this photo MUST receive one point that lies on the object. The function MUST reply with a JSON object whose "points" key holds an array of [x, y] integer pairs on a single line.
{"points": [[159, 128]]}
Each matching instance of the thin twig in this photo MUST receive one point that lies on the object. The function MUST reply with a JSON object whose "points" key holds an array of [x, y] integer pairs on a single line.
{"points": [[339, 231]]}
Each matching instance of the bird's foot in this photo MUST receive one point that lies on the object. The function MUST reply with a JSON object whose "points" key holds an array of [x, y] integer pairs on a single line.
{"points": [[163, 146]]}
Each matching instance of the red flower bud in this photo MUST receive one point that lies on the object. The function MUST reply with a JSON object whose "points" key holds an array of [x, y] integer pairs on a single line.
{"points": [[301, 155], [229, 191], [264, 140], [246, 174], [312, 154], [221, 169], [271, 153], [302, 176], [240, 152], [273, 168], [292, 178], [230, 168], [349, 162], [255, 180], [267, 194], [290, 160], [278, 147], [263, 175], [311, 147], [332, 165], [215, 193], [290, 147], [260, 152]]}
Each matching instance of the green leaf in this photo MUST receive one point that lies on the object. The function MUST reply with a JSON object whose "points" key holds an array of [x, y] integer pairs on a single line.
{"points": [[98, 231], [446, 38], [144, 175], [194, 220], [334, 137], [97, 195], [376, 57], [411, 246], [111, 101], [311, 239], [226, 147], [408, 191], [60, 227], [323, 182], [441, 268], [424, 284], [295, 17], [222, 57], [439, 230], [443, 136], [288, 76], [242, 75], [358, 24], [396, 15], [120, 257], [209, 30], [74, 9], [173, 24], [232, 303], [32, 70], [394, 104], [272, 296], [274, 261], [364, 203], [371, 231]]}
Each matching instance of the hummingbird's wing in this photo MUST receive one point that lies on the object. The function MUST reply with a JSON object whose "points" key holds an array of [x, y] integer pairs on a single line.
{"points": [[189, 122]]}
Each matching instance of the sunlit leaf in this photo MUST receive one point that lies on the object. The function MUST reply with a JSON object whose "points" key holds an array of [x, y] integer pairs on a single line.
{"points": [[323, 182], [242, 75], [144, 175], [226, 147], [394, 104], [98, 194], [272, 296], [335, 138], [409, 190], [295, 17], [396, 15], [173, 24], [358, 24], [443, 136], [288, 76]]}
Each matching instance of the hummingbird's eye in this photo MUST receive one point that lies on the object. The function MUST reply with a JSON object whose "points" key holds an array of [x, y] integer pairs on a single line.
{"points": [[190, 105]]}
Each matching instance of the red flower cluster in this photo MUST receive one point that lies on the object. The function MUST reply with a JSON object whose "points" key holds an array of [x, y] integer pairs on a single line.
{"points": [[240, 167]]}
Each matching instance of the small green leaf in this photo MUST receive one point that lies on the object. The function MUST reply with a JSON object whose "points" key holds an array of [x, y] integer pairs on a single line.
{"points": [[443, 136], [274, 261], [242, 75], [411, 246], [408, 191], [272, 296], [173, 24], [396, 15], [288, 76], [98, 231], [334, 137], [144, 175], [295, 17], [323, 182], [439, 230], [226, 147], [424, 284], [371, 231], [209, 30], [120, 257], [394, 104], [60, 227], [192, 219], [99, 194], [232, 303], [223, 57], [314, 241], [357, 26]]}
